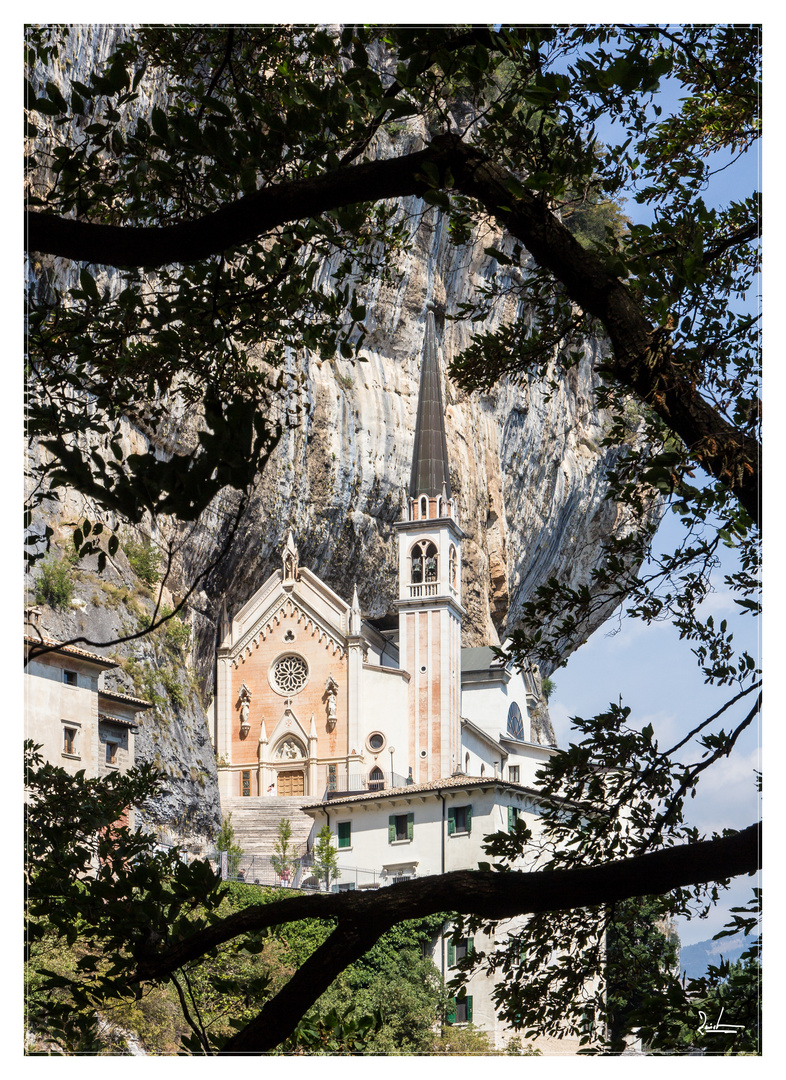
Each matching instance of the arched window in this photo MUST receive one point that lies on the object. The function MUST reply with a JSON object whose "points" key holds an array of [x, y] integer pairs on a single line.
{"points": [[425, 566], [515, 722], [423, 506], [452, 566], [376, 779]]}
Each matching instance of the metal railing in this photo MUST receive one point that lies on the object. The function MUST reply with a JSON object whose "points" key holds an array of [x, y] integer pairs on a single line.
{"points": [[362, 783], [259, 870]]}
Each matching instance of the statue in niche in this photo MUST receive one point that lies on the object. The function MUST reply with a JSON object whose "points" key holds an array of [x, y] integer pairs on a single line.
{"points": [[289, 750], [331, 698], [245, 706]]}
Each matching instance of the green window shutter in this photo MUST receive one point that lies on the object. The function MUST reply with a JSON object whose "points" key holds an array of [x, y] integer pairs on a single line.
{"points": [[469, 820], [451, 954], [469, 1010], [410, 826], [470, 946], [451, 820], [391, 829], [511, 819], [450, 1015], [344, 834]]}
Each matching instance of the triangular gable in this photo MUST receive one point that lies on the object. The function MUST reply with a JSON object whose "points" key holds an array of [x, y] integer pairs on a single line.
{"points": [[287, 727], [281, 604]]}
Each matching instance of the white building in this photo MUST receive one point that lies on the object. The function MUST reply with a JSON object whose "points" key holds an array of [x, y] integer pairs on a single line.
{"points": [[409, 747], [78, 724]]}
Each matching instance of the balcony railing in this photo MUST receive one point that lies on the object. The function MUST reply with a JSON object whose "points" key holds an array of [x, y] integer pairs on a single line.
{"points": [[362, 783], [429, 588]]}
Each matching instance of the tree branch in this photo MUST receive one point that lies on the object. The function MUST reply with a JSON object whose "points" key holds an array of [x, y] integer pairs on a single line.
{"points": [[363, 919], [281, 1014], [643, 358]]}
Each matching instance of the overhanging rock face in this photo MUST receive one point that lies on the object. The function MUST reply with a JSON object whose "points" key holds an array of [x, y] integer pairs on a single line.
{"points": [[527, 468]]}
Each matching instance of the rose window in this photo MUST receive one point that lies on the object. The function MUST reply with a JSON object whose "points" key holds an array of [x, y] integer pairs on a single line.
{"points": [[290, 674]]}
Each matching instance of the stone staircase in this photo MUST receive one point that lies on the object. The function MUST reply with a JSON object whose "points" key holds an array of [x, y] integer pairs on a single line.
{"points": [[255, 822]]}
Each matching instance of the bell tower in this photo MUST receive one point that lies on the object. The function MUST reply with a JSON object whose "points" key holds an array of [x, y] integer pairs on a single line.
{"points": [[429, 600]]}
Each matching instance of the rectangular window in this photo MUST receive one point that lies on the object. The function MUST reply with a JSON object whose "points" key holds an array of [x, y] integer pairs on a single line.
{"points": [[463, 1010], [459, 1010], [514, 813], [457, 950], [459, 820], [347, 886], [332, 778], [69, 740], [69, 678], [246, 782], [345, 834], [111, 753], [401, 827], [513, 773]]}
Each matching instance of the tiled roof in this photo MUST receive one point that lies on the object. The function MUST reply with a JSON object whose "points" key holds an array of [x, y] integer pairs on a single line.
{"points": [[431, 785], [480, 658], [126, 699], [50, 645], [104, 718]]}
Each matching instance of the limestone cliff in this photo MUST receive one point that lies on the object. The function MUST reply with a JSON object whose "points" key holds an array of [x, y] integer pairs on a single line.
{"points": [[526, 466]]}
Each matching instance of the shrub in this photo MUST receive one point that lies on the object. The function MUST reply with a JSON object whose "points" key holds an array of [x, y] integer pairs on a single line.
{"points": [[143, 559], [177, 634], [54, 585], [175, 690]]}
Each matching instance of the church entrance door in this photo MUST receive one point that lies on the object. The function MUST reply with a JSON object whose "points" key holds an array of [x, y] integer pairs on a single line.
{"points": [[291, 783]]}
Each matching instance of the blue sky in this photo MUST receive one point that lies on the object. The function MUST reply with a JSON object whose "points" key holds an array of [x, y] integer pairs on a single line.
{"points": [[657, 676], [649, 667]]}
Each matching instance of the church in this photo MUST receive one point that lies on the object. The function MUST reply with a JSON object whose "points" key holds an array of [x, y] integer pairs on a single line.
{"points": [[312, 699], [408, 747]]}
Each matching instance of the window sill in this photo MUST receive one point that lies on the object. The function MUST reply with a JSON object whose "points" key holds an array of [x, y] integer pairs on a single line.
{"points": [[398, 843], [341, 850], [457, 833], [71, 757]]}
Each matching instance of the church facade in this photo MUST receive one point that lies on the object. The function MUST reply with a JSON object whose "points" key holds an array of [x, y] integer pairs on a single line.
{"points": [[313, 699]]}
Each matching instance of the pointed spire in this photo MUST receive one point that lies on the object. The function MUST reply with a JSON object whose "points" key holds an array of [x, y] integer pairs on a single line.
{"points": [[430, 473], [290, 560], [354, 614]]}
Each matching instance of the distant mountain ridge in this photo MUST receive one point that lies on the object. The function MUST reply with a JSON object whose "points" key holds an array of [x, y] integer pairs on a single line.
{"points": [[695, 959]]}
